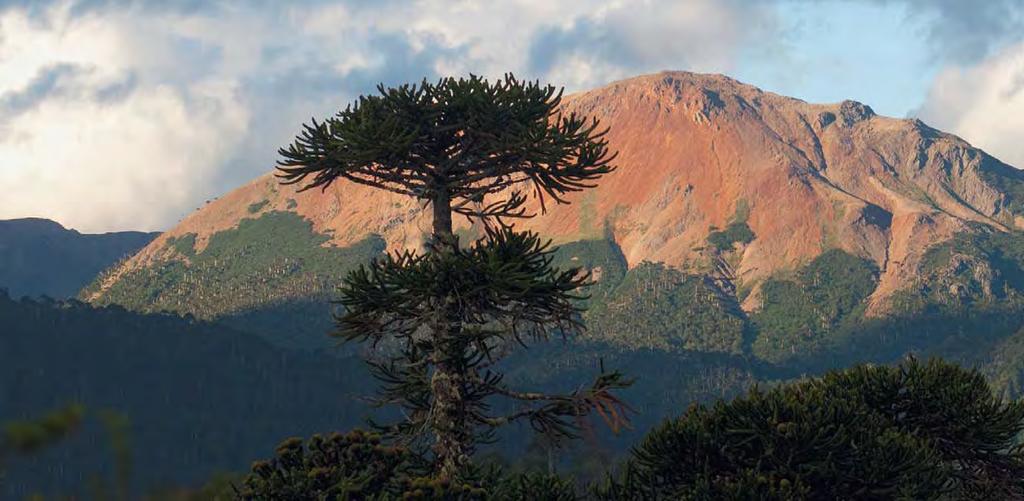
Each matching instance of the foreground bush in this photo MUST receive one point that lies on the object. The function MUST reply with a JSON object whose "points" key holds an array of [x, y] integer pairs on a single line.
{"points": [[916, 431], [357, 465]]}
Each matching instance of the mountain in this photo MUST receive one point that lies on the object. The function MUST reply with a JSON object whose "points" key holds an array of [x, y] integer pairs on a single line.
{"points": [[739, 222], [41, 257], [746, 237]]}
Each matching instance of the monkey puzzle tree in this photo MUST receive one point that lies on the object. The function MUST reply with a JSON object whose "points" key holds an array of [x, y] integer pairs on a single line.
{"points": [[447, 315], [919, 430]]}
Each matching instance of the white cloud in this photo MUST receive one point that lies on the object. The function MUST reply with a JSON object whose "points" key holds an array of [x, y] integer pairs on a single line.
{"points": [[983, 103], [577, 44], [134, 164], [966, 30], [202, 97], [128, 115], [134, 161]]}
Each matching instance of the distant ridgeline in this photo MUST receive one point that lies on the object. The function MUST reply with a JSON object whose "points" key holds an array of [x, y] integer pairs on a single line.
{"points": [[40, 257]]}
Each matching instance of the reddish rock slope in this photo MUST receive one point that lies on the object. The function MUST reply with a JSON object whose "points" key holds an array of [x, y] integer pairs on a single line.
{"points": [[696, 153]]}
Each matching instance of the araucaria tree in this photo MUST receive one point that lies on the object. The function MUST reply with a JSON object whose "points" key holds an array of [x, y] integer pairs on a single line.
{"points": [[443, 317]]}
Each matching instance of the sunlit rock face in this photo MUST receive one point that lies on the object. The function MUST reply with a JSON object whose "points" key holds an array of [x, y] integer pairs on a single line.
{"points": [[700, 158]]}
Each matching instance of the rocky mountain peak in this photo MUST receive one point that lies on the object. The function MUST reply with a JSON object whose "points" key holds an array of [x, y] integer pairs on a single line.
{"points": [[703, 158]]}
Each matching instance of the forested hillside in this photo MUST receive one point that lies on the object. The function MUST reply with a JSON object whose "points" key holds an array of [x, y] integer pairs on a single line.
{"points": [[207, 398], [201, 398], [198, 398], [272, 275], [966, 302], [41, 257]]}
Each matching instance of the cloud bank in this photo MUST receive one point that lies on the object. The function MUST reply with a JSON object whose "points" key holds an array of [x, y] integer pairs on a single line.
{"points": [[983, 103], [121, 115]]}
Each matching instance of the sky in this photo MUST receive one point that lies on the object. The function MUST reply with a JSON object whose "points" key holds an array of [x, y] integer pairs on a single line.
{"points": [[129, 115]]}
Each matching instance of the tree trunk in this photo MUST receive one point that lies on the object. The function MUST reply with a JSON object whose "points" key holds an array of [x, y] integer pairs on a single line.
{"points": [[442, 216], [551, 459], [448, 410]]}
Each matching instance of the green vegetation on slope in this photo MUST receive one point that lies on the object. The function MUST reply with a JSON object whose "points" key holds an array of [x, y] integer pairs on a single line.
{"points": [[736, 232], [602, 257], [726, 240], [255, 207], [658, 307], [653, 306], [967, 301], [980, 269], [1006, 180], [797, 316], [968, 304], [273, 261], [916, 431]]}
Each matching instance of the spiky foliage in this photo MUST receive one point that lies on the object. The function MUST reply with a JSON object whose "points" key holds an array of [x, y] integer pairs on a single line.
{"points": [[463, 146], [27, 436], [917, 431], [355, 465], [23, 437], [359, 465], [499, 292], [459, 139]]}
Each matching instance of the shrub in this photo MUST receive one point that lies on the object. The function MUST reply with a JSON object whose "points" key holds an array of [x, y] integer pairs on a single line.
{"points": [[725, 240], [359, 465], [916, 431]]}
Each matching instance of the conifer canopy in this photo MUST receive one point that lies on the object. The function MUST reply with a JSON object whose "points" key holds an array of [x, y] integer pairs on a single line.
{"points": [[461, 139]]}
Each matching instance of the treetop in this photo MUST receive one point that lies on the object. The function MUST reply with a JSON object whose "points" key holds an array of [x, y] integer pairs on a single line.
{"points": [[460, 140]]}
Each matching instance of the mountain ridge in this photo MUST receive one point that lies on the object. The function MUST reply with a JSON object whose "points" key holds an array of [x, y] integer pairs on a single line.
{"points": [[41, 257], [698, 153], [735, 188]]}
